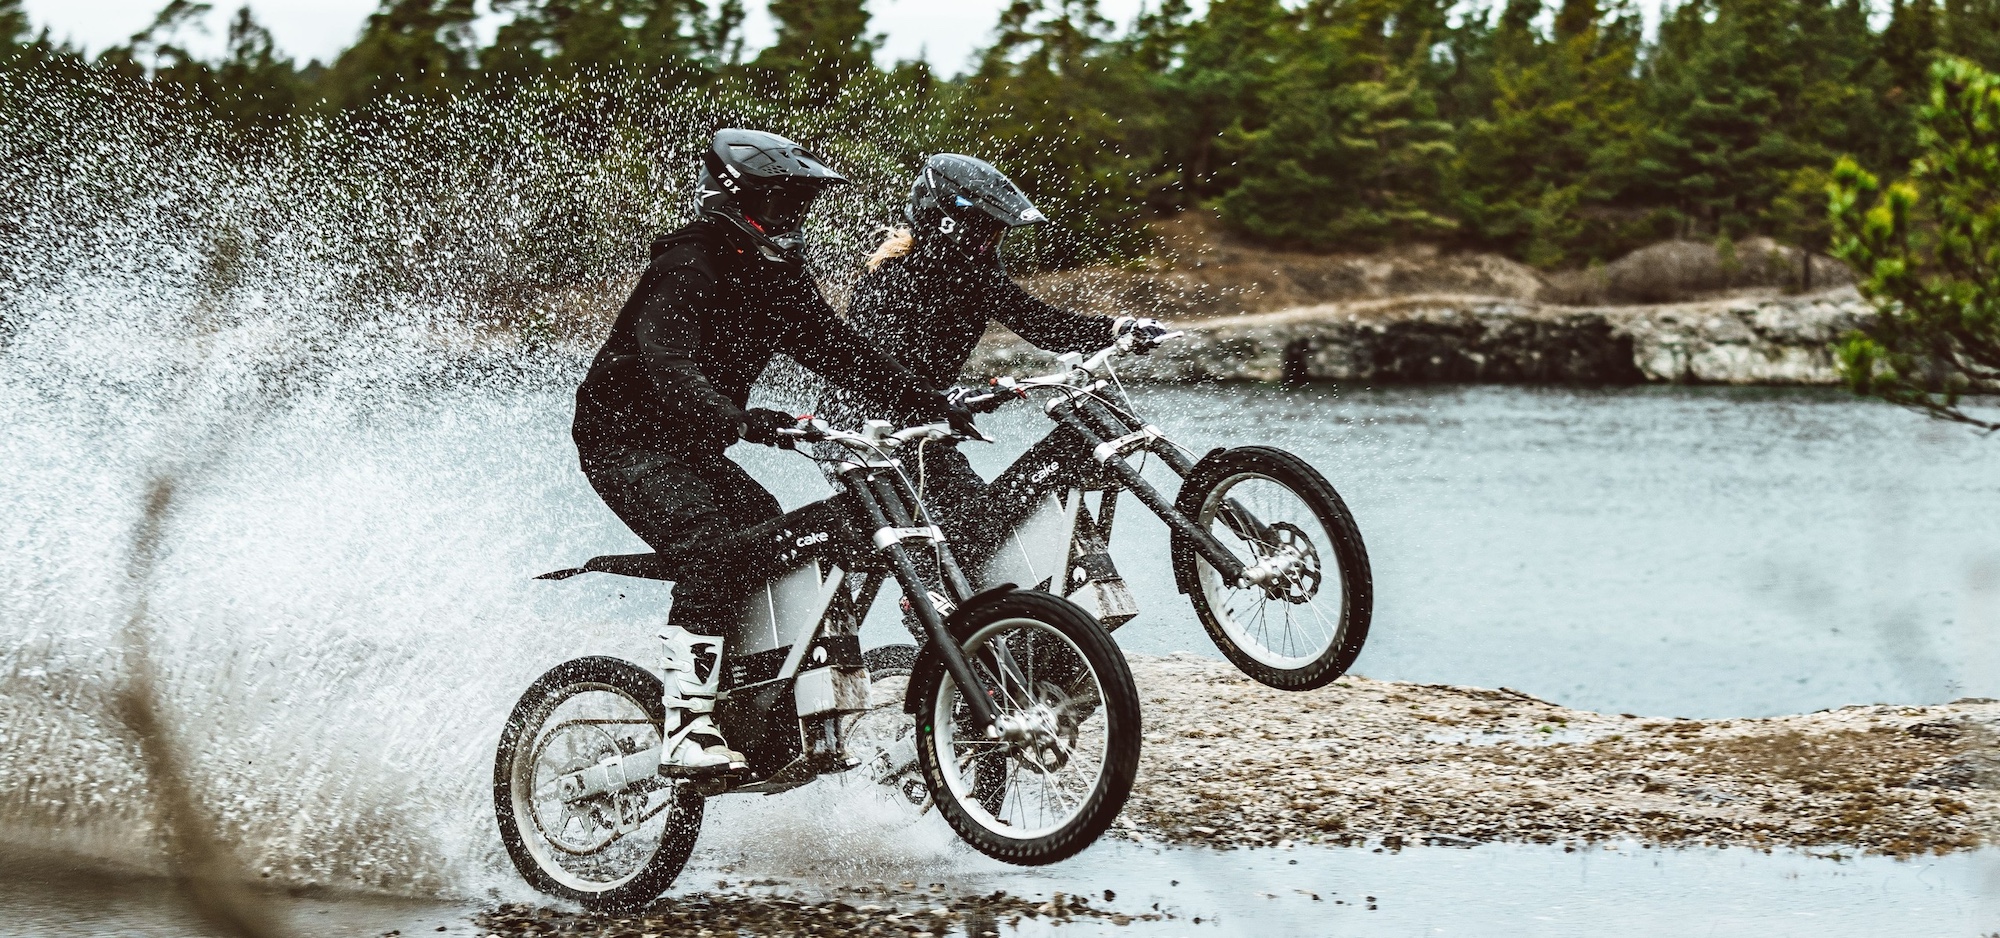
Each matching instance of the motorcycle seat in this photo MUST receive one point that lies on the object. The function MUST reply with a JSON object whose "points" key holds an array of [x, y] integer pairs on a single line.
{"points": [[647, 566]]}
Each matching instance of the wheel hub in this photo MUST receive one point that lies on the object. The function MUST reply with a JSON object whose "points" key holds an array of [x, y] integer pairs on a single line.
{"points": [[571, 824], [1044, 735], [1298, 575]]}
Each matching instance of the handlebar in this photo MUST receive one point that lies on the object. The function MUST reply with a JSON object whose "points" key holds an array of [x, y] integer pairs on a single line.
{"points": [[1076, 367], [875, 435], [984, 402]]}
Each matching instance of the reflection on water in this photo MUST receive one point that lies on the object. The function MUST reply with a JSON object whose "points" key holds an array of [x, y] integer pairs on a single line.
{"points": [[1497, 891], [1491, 891]]}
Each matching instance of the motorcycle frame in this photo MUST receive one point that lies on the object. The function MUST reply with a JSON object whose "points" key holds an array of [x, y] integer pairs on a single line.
{"points": [[1102, 431], [795, 649]]}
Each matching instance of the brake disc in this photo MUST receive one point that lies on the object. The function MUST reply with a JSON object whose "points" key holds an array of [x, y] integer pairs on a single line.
{"points": [[1300, 583]]}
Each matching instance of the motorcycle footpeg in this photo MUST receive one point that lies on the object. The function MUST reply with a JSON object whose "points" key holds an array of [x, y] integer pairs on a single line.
{"points": [[732, 770]]}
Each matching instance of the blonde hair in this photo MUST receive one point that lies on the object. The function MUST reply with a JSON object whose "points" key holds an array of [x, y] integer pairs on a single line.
{"points": [[898, 243]]}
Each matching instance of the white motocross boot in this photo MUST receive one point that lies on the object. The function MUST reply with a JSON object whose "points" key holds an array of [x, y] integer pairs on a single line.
{"points": [[694, 744]]}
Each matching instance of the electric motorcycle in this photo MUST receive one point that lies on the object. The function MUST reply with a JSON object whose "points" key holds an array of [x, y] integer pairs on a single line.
{"points": [[1020, 710], [1262, 545], [1264, 548]]}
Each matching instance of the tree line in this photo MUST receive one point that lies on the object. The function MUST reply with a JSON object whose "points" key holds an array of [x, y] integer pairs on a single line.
{"points": [[1555, 131]]}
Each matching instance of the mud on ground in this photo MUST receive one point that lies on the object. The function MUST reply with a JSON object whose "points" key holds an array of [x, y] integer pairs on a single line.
{"points": [[892, 911], [1229, 762]]}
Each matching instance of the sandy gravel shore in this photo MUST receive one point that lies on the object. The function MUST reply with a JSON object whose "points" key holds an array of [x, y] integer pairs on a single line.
{"points": [[901, 912], [1383, 764], [1228, 761]]}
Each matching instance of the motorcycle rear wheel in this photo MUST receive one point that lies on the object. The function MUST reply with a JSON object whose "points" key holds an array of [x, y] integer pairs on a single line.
{"points": [[608, 853]]}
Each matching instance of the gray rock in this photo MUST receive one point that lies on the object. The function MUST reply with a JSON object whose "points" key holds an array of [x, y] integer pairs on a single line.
{"points": [[1779, 340]]}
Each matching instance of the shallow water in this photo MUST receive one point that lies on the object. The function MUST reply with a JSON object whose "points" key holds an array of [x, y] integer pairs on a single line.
{"points": [[1490, 891], [1505, 890]]}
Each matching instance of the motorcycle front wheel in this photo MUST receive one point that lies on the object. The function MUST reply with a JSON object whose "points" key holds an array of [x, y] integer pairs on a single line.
{"points": [[1054, 673], [1304, 625], [611, 852]]}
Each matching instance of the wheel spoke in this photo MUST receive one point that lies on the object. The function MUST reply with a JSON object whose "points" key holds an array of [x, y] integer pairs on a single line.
{"points": [[1274, 523]]}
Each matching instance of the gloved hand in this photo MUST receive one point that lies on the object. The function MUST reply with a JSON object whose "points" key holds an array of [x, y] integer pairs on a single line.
{"points": [[950, 410], [761, 426], [1139, 334], [962, 424], [977, 400]]}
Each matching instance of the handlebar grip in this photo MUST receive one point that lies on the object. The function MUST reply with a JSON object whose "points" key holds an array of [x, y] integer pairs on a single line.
{"points": [[988, 403]]}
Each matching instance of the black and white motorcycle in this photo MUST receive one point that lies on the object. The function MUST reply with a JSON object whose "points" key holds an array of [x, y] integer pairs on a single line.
{"points": [[1018, 710], [1261, 544]]}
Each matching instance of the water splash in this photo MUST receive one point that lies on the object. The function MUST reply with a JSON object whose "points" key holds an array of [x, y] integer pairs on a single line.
{"points": [[338, 346]]}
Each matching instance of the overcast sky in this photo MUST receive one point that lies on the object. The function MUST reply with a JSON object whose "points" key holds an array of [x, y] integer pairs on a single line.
{"points": [[944, 31]]}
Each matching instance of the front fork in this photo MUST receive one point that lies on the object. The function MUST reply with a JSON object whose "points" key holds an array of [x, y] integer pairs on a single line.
{"points": [[887, 516], [1109, 437]]}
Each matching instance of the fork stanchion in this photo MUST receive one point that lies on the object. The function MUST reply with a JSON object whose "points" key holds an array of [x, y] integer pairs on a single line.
{"points": [[1204, 543]]}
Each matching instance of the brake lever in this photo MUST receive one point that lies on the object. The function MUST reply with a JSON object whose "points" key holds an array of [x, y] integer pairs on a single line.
{"points": [[810, 430]]}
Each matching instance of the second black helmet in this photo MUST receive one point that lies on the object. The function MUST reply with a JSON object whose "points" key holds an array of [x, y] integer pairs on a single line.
{"points": [[968, 203]]}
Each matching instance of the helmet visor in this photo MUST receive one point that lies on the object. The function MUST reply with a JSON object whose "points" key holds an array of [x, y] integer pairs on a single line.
{"points": [[781, 207], [980, 233]]}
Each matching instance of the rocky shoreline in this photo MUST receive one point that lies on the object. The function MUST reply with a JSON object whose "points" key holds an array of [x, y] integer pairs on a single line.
{"points": [[1772, 340], [1386, 765], [1229, 762]]}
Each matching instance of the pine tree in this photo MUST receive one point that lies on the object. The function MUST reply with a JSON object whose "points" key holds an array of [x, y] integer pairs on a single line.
{"points": [[409, 48], [14, 30], [1052, 104], [1354, 154], [820, 43], [1749, 98], [1542, 174], [1229, 63], [1970, 29], [257, 89], [571, 37]]}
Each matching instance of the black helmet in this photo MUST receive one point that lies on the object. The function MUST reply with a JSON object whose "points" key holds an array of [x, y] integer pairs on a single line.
{"points": [[763, 185], [969, 203]]}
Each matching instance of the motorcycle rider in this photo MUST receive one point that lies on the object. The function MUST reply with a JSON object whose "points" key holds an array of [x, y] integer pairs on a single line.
{"points": [[929, 293], [668, 393]]}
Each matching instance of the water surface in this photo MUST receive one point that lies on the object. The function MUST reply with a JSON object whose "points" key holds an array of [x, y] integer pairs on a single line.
{"points": [[341, 611]]}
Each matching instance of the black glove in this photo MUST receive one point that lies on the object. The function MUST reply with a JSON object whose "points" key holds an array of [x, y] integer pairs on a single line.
{"points": [[961, 422], [1145, 334], [761, 426]]}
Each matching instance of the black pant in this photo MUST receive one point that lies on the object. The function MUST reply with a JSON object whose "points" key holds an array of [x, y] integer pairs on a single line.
{"points": [[959, 501], [690, 509]]}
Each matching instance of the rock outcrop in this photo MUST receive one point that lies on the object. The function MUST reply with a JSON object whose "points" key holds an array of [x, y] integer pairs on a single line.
{"points": [[1767, 340]]}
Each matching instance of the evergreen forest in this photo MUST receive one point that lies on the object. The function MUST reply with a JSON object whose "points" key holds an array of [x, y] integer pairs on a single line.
{"points": [[1558, 132]]}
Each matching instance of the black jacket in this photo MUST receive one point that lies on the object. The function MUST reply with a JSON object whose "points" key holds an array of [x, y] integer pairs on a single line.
{"points": [[703, 324], [929, 309]]}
